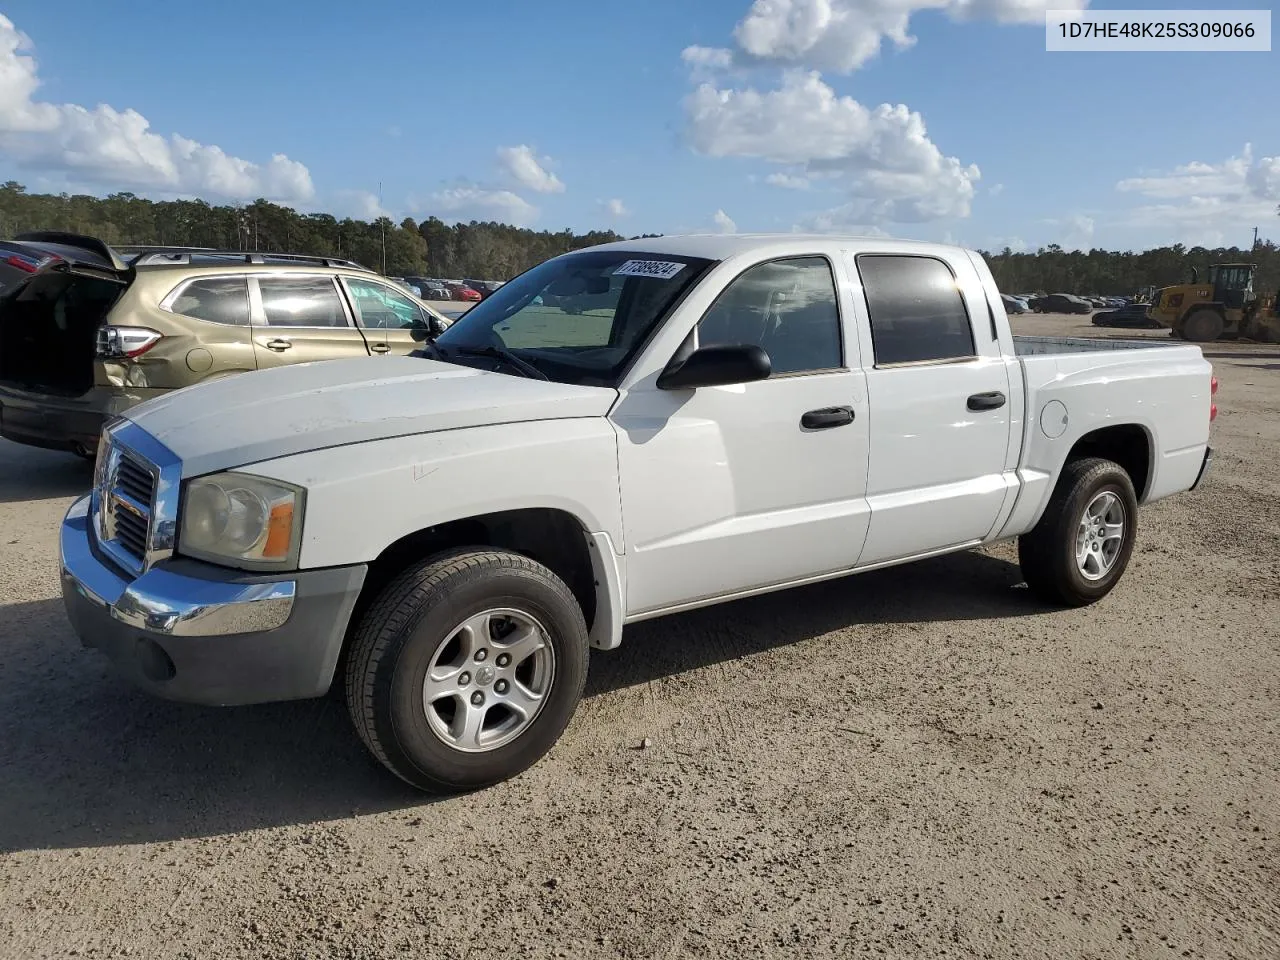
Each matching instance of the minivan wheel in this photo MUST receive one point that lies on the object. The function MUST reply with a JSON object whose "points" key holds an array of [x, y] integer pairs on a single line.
{"points": [[1080, 548], [466, 669]]}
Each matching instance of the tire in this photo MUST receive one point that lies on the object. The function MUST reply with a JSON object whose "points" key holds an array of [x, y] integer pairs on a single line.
{"points": [[1048, 554], [420, 619], [1203, 326]]}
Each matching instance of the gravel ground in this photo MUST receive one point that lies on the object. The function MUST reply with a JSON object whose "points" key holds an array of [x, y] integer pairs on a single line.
{"points": [[915, 762]]}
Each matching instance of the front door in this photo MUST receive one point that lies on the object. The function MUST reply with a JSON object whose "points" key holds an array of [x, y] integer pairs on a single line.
{"points": [[392, 323], [941, 405], [726, 489], [300, 318]]}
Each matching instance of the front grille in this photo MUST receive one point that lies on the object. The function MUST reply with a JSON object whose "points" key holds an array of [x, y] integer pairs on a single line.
{"points": [[125, 502]]}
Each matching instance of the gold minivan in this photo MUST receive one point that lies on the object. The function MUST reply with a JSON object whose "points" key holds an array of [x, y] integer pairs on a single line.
{"points": [[87, 332]]}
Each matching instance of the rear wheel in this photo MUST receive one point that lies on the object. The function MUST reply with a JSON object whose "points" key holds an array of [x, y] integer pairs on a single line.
{"points": [[1080, 548], [466, 669], [1203, 326]]}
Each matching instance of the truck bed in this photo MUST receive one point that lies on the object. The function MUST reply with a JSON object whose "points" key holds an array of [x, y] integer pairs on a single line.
{"points": [[1041, 346]]}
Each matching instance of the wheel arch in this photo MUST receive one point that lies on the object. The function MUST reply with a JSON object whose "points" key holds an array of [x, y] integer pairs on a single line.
{"points": [[1130, 445], [556, 538]]}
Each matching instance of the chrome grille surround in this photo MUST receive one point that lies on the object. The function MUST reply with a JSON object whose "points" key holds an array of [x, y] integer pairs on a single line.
{"points": [[134, 503]]}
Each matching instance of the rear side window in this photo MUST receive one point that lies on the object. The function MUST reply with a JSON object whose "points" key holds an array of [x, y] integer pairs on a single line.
{"points": [[917, 313], [215, 299], [301, 302]]}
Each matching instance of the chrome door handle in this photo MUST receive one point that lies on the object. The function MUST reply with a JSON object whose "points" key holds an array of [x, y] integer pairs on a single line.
{"points": [[279, 344], [380, 348]]}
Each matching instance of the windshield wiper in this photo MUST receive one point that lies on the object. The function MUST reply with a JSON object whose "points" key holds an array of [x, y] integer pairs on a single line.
{"points": [[503, 354]]}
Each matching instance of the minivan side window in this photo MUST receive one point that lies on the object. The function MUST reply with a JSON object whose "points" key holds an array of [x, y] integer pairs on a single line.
{"points": [[381, 308], [215, 299], [787, 307], [917, 312], [302, 302]]}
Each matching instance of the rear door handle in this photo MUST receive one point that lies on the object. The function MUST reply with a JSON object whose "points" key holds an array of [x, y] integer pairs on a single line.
{"points": [[279, 344], [827, 417], [987, 401], [380, 347]]}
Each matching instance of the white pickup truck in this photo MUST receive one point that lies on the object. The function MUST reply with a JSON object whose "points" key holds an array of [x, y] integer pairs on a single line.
{"points": [[622, 432]]}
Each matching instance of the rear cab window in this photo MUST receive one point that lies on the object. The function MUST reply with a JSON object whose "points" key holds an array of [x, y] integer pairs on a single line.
{"points": [[917, 312]]}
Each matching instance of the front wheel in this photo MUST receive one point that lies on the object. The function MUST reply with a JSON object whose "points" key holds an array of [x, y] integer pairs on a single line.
{"points": [[1080, 548], [466, 669]]}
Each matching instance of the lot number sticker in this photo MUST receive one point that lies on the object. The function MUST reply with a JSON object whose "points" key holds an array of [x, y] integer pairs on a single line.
{"points": [[659, 269]]}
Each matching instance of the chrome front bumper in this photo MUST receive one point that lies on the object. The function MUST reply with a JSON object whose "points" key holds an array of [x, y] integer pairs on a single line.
{"points": [[187, 630], [168, 603]]}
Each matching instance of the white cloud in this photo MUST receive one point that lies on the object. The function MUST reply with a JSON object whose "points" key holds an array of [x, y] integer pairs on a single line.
{"points": [[723, 222], [995, 189], [842, 35], [358, 204], [468, 202], [1205, 203], [614, 208], [882, 156], [522, 165], [788, 181], [1075, 232], [1015, 244], [117, 148]]}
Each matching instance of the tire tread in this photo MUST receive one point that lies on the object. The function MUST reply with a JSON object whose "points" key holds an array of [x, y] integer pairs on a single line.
{"points": [[402, 601]]}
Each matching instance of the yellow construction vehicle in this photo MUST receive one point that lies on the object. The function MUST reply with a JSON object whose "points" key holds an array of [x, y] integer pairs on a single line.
{"points": [[1222, 306]]}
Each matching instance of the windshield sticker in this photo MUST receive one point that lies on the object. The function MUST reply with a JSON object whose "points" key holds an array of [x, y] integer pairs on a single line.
{"points": [[659, 269]]}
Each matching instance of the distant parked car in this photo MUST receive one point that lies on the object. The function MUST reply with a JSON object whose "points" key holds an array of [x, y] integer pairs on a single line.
{"points": [[461, 291], [1061, 303], [1014, 305], [483, 287], [1130, 315]]}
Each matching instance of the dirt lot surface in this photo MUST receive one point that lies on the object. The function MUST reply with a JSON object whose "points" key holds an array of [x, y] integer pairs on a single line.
{"points": [[914, 762]]}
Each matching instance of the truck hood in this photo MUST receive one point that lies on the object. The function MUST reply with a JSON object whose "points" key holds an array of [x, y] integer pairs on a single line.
{"points": [[283, 411]]}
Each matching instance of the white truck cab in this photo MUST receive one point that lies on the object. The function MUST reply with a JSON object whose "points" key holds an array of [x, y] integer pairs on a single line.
{"points": [[621, 432]]}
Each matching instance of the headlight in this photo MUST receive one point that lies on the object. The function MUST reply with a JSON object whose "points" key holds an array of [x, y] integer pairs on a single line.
{"points": [[242, 521]]}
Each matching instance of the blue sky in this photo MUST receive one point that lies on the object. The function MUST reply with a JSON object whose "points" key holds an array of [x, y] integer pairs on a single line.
{"points": [[666, 116]]}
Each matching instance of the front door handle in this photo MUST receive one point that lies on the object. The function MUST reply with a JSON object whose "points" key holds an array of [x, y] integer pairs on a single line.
{"points": [[279, 344], [827, 417], [987, 401], [380, 347]]}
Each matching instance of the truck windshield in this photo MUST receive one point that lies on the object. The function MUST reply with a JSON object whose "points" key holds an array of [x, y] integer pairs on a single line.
{"points": [[579, 318]]}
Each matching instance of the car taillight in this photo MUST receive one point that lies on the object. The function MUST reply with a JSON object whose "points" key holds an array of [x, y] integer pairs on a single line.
{"points": [[1213, 392], [124, 343]]}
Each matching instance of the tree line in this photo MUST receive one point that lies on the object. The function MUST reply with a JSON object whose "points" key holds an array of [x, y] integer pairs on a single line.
{"points": [[499, 251]]}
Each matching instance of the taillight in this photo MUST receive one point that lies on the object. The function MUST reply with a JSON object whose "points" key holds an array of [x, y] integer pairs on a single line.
{"points": [[124, 343], [1213, 391]]}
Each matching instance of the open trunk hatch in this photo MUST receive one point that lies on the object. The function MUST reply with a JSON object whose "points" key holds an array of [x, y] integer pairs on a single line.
{"points": [[55, 291]]}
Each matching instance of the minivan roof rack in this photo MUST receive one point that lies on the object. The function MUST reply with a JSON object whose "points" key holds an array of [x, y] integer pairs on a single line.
{"points": [[168, 256]]}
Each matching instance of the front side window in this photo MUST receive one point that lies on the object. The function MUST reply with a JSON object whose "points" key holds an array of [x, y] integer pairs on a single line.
{"points": [[381, 308], [215, 299], [579, 318], [787, 307], [917, 312], [301, 302]]}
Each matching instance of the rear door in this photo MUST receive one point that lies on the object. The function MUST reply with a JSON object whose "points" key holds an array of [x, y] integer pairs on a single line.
{"points": [[391, 321], [939, 395], [299, 318]]}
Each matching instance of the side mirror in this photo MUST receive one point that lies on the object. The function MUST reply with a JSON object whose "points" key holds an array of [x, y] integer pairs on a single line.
{"points": [[716, 367]]}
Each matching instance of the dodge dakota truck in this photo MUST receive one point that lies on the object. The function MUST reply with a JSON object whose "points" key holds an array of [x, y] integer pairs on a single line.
{"points": [[622, 432]]}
